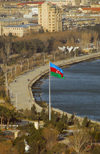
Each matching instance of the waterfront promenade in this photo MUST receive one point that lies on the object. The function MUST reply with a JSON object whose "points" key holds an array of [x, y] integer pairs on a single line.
{"points": [[20, 89]]}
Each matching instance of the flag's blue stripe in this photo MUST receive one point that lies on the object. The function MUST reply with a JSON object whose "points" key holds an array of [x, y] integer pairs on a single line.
{"points": [[56, 67]]}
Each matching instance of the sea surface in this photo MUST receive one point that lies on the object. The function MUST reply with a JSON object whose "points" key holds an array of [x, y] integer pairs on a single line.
{"points": [[79, 92]]}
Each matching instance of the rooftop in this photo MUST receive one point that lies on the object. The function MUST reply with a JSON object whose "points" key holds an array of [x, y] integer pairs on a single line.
{"points": [[22, 25], [26, 3], [11, 19], [97, 9]]}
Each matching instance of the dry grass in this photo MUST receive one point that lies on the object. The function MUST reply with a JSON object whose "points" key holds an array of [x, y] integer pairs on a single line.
{"points": [[7, 105], [7, 148]]}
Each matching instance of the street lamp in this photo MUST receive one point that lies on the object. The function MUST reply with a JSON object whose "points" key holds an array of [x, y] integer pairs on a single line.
{"points": [[21, 66], [6, 81], [28, 64]]}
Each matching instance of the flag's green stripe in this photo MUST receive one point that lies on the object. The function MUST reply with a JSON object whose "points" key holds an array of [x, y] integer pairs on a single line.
{"points": [[56, 75]]}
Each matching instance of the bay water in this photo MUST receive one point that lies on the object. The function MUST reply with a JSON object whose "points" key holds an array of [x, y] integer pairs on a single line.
{"points": [[79, 92]]}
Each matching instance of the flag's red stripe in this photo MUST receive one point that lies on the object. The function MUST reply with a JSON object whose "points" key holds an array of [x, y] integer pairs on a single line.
{"points": [[56, 71]]}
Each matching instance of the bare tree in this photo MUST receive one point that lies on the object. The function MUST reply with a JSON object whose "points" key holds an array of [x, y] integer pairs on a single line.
{"points": [[80, 141]]}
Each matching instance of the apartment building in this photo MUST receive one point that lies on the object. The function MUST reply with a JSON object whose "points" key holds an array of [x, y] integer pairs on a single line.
{"points": [[85, 2], [50, 17], [73, 2], [61, 3]]}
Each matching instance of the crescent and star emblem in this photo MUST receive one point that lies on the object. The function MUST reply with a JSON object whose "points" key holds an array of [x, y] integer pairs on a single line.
{"points": [[58, 72]]}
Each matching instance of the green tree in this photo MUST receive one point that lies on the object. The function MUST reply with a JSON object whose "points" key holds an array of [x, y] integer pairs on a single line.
{"points": [[33, 112], [86, 122], [97, 136], [71, 119], [39, 45], [62, 123], [2, 114], [2, 78], [64, 118], [60, 126], [10, 114], [35, 140], [44, 115], [50, 45]]}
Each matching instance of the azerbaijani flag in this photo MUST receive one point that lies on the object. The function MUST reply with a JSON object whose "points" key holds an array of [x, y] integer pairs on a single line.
{"points": [[56, 71]]}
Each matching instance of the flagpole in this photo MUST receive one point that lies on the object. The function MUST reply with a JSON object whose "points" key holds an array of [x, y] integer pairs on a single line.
{"points": [[49, 94]]}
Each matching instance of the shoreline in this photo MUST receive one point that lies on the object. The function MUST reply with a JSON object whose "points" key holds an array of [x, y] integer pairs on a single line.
{"points": [[55, 109], [64, 112], [25, 98]]}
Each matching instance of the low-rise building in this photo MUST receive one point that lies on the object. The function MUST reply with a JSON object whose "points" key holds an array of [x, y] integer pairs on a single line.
{"points": [[34, 27], [15, 30], [20, 30], [38, 124], [11, 21]]}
